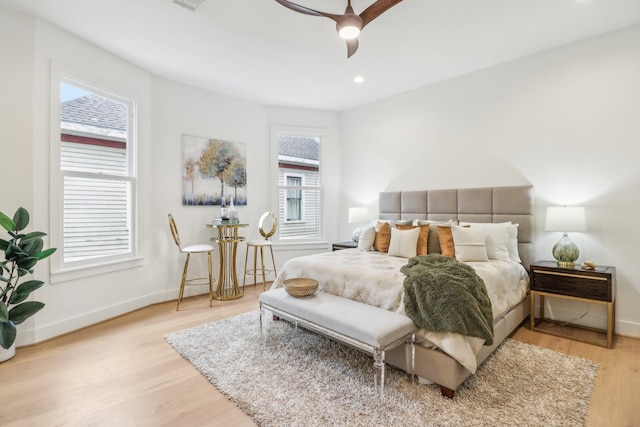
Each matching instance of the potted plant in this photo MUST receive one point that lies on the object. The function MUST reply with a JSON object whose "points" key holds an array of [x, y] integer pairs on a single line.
{"points": [[21, 253]]}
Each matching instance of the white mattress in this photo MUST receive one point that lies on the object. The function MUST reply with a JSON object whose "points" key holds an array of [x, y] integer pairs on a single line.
{"points": [[374, 278]]}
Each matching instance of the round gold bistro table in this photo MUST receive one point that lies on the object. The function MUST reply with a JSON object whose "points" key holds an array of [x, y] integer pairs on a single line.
{"points": [[227, 240]]}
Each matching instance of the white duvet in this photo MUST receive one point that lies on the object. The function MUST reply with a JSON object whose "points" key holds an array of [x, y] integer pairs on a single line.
{"points": [[374, 278]]}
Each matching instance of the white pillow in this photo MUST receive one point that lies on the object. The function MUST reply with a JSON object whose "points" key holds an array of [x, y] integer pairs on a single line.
{"points": [[494, 239], [404, 242], [512, 245], [469, 243], [368, 235]]}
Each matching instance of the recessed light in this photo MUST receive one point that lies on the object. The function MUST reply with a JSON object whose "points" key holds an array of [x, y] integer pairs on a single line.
{"points": [[358, 79]]}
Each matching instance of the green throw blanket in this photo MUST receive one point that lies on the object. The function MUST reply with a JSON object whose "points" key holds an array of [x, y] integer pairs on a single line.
{"points": [[444, 295]]}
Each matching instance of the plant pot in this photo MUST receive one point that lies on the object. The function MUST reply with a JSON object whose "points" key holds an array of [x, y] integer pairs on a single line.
{"points": [[7, 353]]}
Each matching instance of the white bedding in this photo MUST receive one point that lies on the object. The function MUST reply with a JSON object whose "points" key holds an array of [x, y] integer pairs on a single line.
{"points": [[374, 278]]}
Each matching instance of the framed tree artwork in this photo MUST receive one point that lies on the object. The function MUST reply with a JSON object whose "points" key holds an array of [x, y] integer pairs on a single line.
{"points": [[213, 169]]}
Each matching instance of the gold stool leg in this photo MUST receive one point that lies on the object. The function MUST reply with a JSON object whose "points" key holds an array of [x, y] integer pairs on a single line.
{"points": [[273, 260], [255, 265], [184, 281], [246, 258], [210, 280], [264, 285]]}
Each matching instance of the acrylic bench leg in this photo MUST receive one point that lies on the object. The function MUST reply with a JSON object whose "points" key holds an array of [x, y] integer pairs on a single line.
{"points": [[378, 365], [410, 355]]}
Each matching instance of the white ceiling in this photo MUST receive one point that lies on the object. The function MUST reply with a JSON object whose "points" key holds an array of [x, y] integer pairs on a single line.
{"points": [[260, 51]]}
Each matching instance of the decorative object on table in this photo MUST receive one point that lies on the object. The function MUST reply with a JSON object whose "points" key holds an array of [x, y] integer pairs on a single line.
{"points": [[21, 253], [322, 383], [565, 219], [213, 170], [233, 213], [267, 227], [224, 211], [348, 24], [300, 287], [192, 249], [589, 265], [358, 216]]}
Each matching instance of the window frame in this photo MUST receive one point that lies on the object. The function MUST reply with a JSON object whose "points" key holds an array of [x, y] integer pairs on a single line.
{"points": [[60, 270]]}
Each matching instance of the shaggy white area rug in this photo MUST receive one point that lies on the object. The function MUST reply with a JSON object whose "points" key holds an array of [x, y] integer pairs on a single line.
{"points": [[297, 378]]}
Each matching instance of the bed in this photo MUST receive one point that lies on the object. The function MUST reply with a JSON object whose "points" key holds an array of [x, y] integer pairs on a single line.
{"points": [[374, 276]]}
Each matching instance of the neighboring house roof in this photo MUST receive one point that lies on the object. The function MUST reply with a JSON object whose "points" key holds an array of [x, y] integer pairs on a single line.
{"points": [[299, 146], [94, 110], [94, 116]]}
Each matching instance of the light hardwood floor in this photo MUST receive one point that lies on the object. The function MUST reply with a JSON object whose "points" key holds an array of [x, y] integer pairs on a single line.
{"points": [[122, 373]]}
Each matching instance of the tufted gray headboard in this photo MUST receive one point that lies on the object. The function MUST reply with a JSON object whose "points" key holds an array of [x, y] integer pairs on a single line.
{"points": [[491, 204]]}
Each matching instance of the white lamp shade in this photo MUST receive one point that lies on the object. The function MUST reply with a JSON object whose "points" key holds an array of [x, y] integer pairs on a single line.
{"points": [[565, 219], [358, 215]]}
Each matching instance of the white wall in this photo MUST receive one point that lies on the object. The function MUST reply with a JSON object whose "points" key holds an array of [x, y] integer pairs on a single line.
{"points": [[564, 120], [16, 86]]}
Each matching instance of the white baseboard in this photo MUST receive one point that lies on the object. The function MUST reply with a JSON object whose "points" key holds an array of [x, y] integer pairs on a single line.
{"points": [[36, 333]]}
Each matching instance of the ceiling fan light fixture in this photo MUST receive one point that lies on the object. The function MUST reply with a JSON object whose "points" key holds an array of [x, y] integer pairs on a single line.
{"points": [[349, 25], [349, 32]]}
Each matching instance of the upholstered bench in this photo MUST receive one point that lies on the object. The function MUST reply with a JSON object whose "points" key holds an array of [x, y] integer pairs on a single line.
{"points": [[370, 329]]}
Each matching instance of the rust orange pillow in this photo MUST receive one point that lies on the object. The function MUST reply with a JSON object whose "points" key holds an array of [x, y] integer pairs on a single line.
{"points": [[447, 246], [422, 237], [383, 237]]}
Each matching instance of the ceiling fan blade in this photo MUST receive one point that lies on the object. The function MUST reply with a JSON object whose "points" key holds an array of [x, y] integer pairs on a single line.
{"points": [[308, 11], [375, 10], [352, 46]]}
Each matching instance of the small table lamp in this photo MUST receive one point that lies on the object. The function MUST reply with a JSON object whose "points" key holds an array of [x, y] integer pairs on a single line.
{"points": [[358, 216], [565, 219]]}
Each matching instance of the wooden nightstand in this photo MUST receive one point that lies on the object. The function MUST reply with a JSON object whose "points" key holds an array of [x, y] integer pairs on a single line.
{"points": [[344, 245], [593, 286]]}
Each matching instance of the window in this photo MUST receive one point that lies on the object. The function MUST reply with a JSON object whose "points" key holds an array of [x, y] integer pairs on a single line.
{"points": [[95, 191], [293, 208], [299, 187]]}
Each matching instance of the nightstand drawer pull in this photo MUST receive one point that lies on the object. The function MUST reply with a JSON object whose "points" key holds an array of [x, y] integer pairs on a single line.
{"points": [[571, 275]]}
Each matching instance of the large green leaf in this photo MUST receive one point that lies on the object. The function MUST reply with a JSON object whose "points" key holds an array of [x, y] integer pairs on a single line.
{"points": [[32, 236], [23, 291], [8, 333], [32, 247], [3, 245], [6, 222], [42, 255], [22, 312], [27, 263], [12, 251], [4, 312], [21, 218]]}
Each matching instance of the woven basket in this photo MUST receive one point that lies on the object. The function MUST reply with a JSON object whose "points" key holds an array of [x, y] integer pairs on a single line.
{"points": [[300, 287]]}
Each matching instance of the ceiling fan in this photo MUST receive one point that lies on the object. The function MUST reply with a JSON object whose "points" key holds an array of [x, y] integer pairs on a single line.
{"points": [[348, 24]]}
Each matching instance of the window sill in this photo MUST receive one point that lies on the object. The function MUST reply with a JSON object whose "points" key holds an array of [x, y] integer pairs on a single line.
{"points": [[286, 246], [80, 272]]}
